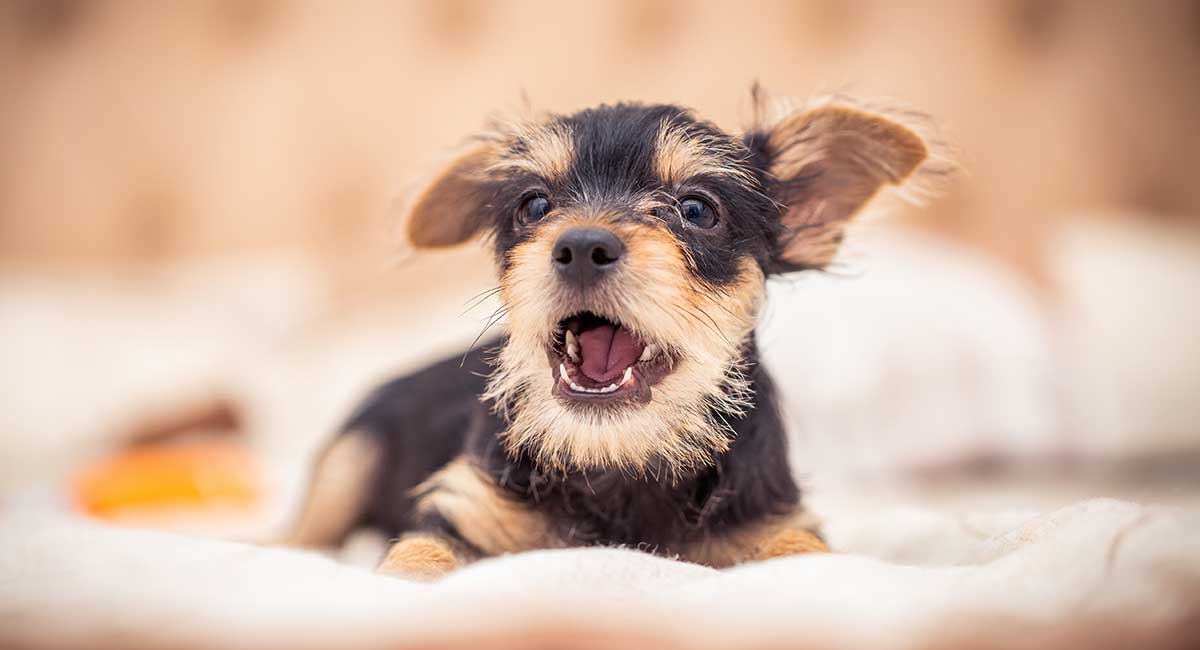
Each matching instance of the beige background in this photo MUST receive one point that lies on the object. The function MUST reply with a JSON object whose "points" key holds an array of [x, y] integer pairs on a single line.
{"points": [[195, 198], [145, 132]]}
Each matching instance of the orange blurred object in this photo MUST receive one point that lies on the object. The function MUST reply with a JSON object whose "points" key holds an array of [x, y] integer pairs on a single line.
{"points": [[193, 475]]}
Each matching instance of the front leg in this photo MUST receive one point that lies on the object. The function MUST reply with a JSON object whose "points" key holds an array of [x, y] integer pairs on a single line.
{"points": [[420, 556], [790, 536], [463, 517], [795, 535], [790, 541]]}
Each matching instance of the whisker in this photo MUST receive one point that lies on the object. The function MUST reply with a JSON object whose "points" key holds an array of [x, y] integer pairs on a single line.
{"points": [[478, 299], [500, 313]]}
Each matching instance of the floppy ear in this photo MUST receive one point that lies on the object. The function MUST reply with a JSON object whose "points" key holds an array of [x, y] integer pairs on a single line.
{"points": [[451, 209], [823, 165]]}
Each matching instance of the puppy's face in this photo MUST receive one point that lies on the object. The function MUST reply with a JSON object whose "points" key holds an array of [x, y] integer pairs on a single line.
{"points": [[632, 243]]}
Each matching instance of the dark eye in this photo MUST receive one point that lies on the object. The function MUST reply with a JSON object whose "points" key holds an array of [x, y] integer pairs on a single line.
{"points": [[698, 212], [533, 209]]}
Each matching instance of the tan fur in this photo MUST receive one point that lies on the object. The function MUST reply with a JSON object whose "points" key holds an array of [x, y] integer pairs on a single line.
{"points": [[786, 536], [486, 519], [337, 491], [850, 153], [656, 296], [445, 212], [880, 149], [440, 216], [546, 150], [420, 557], [790, 542], [679, 156]]}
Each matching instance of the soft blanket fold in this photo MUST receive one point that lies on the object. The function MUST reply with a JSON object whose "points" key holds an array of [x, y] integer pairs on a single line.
{"points": [[1095, 574]]}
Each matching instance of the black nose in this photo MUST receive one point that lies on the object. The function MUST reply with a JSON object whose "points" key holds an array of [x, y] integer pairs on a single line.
{"points": [[582, 255]]}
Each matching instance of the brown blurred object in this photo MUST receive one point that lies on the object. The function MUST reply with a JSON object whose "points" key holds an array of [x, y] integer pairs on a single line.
{"points": [[138, 133], [217, 415]]}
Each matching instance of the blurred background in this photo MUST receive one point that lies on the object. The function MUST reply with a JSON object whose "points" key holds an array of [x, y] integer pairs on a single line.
{"points": [[198, 238]]}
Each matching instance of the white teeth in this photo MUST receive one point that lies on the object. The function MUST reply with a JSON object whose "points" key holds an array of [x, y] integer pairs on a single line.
{"points": [[562, 372], [628, 376], [572, 347], [650, 352], [606, 389]]}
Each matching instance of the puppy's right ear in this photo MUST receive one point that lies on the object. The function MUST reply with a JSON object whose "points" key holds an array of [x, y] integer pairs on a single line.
{"points": [[823, 164], [452, 208]]}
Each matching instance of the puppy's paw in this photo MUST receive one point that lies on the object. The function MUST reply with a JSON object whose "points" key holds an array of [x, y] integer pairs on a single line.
{"points": [[790, 542], [419, 558]]}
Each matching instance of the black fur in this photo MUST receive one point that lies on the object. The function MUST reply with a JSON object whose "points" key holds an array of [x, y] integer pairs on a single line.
{"points": [[421, 421], [429, 418], [614, 167]]}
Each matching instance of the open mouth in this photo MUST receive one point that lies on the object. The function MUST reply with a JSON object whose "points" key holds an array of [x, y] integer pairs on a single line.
{"points": [[596, 359]]}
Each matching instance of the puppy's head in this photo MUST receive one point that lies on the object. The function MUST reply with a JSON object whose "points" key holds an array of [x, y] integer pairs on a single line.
{"points": [[632, 243]]}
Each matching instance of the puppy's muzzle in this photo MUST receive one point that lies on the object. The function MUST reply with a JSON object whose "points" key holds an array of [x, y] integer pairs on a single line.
{"points": [[583, 256]]}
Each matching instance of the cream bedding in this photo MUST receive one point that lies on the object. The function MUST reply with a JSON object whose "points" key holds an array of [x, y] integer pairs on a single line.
{"points": [[1099, 573]]}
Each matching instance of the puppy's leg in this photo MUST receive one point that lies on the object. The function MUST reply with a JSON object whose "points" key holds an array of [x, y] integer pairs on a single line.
{"points": [[789, 541], [789, 536], [796, 535], [420, 556], [462, 517], [338, 491]]}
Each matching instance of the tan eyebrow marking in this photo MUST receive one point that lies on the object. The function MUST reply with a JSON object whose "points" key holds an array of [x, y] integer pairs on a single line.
{"points": [[546, 150], [679, 155]]}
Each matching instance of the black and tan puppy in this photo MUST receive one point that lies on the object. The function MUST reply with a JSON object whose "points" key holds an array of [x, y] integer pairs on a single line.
{"points": [[626, 405]]}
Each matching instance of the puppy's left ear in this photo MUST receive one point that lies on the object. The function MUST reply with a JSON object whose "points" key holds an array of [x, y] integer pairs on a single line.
{"points": [[823, 165], [451, 208]]}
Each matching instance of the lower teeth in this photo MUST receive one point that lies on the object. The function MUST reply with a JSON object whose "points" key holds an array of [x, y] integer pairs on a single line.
{"points": [[625, 379], [580, 389]]}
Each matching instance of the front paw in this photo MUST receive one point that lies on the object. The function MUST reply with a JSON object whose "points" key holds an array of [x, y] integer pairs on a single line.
{"points": [[419, 558], [790, 542]]}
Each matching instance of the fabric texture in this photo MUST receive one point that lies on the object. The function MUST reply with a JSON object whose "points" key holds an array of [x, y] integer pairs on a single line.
{"points": [[1099, 573]]}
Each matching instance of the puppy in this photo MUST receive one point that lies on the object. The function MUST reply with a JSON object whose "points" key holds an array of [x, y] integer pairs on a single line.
{"points": [[626, 405]]}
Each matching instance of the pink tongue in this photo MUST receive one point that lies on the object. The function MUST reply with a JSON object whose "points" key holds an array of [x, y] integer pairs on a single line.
{"points": [[607, 351]]}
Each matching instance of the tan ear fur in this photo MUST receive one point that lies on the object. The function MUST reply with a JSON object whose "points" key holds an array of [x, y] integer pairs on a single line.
{"points": [[448, 211], [826, 164]]}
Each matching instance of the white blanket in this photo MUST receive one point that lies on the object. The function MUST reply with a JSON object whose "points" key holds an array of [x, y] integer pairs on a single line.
{"points": [[1096, 574]]}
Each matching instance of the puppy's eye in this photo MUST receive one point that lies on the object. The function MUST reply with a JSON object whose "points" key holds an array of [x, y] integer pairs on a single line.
{"points": [[698, 212], [533, 210]]}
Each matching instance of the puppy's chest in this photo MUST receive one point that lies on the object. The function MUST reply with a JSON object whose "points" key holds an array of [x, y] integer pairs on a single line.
{"points": [[609, 508], [511, 507], [697, 521]]}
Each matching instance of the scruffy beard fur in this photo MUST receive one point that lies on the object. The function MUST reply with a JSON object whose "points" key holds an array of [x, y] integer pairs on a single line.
{"points": [[703, 329]]}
